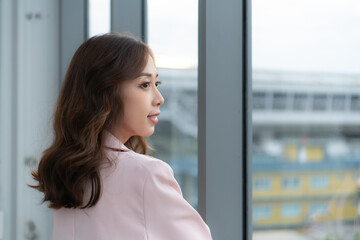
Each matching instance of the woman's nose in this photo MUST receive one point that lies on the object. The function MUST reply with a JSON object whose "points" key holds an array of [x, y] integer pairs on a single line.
{"points": [[158, 98]]}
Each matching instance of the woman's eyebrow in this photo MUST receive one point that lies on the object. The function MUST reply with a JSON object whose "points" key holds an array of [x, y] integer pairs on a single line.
{"points": [[147, 74]]}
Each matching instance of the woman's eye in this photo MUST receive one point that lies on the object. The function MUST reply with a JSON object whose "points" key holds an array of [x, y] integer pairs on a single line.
{"points": [[145, 85], [157, 84]]}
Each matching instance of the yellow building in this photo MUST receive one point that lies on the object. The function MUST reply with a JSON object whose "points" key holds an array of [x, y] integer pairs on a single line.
{"points": [[293, 194]]}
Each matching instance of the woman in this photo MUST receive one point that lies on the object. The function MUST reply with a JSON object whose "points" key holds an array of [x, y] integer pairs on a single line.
{"points": [[95, 175]]}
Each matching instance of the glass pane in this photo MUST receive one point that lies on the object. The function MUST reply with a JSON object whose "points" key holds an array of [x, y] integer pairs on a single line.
{"points": [[306, 119], [172, 34], [99, 17]]}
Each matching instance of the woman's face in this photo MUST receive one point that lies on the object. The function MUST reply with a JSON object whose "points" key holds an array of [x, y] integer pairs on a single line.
{"points": [[141, 104]]}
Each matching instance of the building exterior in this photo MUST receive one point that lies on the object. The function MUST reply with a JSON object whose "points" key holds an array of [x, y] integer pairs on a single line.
{"points": [[306, 154]]}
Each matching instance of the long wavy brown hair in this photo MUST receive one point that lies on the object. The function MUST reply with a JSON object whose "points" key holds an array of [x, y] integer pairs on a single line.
{"points": [[89, 102]]}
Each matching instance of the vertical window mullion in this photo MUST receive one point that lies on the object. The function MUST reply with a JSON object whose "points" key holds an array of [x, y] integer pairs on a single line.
{"points": [[224, 95], [129, 16]]}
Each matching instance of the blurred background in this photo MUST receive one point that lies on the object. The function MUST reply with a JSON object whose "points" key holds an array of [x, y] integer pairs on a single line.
{"points": [[306, 119], [305, 107]]}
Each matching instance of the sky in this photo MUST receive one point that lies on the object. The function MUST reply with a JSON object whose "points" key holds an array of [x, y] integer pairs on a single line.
{"points": [[99, 17], [306, 35], [287, 35], [173, 32]]}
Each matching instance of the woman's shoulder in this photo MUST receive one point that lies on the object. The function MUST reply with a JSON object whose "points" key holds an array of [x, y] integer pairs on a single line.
{"points": [[124, 157], [147, 163], [130, 171]]}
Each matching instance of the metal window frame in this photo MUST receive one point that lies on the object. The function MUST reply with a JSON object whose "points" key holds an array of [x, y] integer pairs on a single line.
{"points": [[129, 16], [224, 117], [73, 30]]}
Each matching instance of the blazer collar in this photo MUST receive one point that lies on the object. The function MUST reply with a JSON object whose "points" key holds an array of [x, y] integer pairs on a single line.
{"points": [[110, 141]]}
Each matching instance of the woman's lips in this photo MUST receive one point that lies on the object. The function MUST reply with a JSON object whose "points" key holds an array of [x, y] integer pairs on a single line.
{"points": [[153, 119]]}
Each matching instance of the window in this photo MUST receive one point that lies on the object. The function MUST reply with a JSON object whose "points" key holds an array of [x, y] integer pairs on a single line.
{"points": [[338, 102], [262, 212], [319, 182], [317, 209], [290, 211], [279, 101], [259, 100], [319, 103], [315, 101], [172, 35], [262, 184], [300, 102], [99, 17], [355, 103], [290, 183]]}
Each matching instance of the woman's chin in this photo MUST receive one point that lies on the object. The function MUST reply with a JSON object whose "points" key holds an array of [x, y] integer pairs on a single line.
{"points": [[148, 133]]}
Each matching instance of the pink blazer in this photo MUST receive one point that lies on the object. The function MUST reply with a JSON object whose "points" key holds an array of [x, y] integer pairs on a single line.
{"points": [[140, 200]]}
